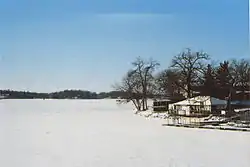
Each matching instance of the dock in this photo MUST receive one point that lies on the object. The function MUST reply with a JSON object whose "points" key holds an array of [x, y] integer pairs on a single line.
{"points": [[209, 127]]}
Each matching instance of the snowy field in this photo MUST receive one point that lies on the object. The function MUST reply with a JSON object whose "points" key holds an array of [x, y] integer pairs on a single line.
{"points": [[100, 133]]}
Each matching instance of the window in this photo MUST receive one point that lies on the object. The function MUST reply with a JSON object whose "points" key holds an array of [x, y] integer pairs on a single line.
{"points": [[202, 105]]}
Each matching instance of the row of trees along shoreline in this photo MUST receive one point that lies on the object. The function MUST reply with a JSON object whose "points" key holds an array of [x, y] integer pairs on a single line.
{"points": [[65, 94], [190, 73]]}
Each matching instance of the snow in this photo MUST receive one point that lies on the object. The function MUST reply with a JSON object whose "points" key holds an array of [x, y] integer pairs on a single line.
{"points": [[242, 109], [214, 118], [100, 133]]}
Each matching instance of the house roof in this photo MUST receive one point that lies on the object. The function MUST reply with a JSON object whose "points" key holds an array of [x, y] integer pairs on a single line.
{"points": [[207, 100], [243, 102], [216, 101]]}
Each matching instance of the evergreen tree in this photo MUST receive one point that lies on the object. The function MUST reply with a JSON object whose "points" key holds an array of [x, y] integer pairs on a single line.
{"points": [[223, 79], [209, 85], [225, 83]]}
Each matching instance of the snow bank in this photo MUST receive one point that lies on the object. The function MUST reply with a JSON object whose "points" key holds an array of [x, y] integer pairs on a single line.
{"points": [[214, 118]]}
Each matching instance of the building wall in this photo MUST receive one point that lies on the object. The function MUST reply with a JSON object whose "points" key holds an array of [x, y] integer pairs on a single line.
{"points": [[160, 105], [188, 110]]}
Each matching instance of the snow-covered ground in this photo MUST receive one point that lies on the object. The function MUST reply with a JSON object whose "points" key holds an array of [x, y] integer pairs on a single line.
{"points": [[100, 133]]}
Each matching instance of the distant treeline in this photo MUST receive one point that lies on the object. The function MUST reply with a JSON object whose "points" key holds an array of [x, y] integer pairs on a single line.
{"points": [[66, 94]]}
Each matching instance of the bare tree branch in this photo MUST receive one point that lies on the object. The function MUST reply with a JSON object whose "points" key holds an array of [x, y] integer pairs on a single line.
{"points": [[190, 65]]}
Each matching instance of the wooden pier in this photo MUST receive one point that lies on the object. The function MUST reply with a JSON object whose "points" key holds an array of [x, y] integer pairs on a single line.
{"points": [[208, 127]]}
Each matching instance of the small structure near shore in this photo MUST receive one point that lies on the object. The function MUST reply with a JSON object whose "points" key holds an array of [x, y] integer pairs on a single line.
{"points": [[161, 105], [198, 106]]}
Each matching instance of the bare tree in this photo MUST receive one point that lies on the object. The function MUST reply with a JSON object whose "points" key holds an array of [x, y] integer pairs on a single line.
{"points": [[167, 82], [138, 83], [190, 65], [144, 71], [240, 73], [132, 89]]}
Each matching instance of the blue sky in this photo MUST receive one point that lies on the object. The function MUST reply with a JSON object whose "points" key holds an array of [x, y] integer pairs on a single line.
{"points": [[54, 45]]}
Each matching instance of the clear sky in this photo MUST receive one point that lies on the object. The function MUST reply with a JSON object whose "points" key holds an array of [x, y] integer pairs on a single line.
{"points": [[51, 45]]}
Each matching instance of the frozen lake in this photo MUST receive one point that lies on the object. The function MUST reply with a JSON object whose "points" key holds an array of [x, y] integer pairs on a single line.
{"points": [[100, 133]]}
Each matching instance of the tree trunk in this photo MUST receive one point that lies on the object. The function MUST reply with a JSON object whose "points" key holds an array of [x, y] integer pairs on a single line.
{"points": [[137, 104], [189, 85], [143, 104], [188, 91]]}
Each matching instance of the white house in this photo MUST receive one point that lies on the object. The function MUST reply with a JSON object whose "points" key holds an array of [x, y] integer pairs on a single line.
{"points": [[200, 105]]}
